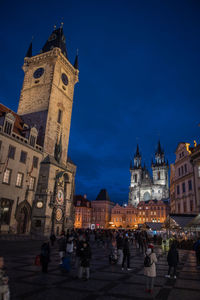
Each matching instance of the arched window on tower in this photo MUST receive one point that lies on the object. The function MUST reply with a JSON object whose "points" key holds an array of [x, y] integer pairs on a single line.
{"points": [[158, 175]]}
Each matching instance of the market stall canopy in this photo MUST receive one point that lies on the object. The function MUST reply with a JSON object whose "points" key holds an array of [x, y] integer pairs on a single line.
{"points": [[154, 226], [195, 222], [178, 221]]}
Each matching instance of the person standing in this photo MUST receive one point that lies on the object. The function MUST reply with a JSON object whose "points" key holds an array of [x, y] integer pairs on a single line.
{"points": [[62, 246], [172, 259], [4, 288], [150, 268], [85, 256], [119, 249], [197, 251], [52, 239], [45, 256], [126, 253]]}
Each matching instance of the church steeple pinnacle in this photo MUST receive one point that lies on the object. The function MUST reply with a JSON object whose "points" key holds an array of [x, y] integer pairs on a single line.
{"points": [[29, 52], [76, 60], [56, 40], [137, 158]]}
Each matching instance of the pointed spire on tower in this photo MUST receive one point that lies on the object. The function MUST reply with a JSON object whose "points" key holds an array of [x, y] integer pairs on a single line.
{"points": [[159, 150], [29, 52], [56, 40], [137, 151], [76, 60]]}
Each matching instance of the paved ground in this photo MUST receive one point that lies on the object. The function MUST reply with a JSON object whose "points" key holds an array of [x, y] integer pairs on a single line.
{"points": [[106, 283]]}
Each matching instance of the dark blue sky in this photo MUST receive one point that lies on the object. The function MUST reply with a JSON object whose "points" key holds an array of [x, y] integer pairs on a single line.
{"points": [[139, 67]]}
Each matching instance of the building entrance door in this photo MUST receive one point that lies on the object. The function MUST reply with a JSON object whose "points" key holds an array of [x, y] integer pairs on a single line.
{"points": [[23, 220]]}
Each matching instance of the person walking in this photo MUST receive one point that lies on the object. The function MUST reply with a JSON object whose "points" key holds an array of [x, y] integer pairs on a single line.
{"points": [[45, 256], [172, 259], [126, 253], [150, 268]]}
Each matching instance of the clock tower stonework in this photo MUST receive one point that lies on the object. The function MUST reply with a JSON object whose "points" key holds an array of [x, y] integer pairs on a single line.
{"points": [[46, 100]]}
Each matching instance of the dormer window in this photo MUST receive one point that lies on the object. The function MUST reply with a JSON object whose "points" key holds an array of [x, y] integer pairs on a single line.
{"points": [[9, 123], [33, 136], [32, 140]]}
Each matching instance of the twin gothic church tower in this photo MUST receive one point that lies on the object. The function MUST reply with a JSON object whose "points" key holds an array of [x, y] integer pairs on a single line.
{"points": [[143, 187]]}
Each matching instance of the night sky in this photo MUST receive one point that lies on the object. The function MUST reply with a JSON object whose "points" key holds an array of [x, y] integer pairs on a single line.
{"points": [[139, 78]]}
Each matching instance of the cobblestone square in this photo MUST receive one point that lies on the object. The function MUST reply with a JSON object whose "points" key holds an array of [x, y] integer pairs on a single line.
{"points": [[107, 282]]}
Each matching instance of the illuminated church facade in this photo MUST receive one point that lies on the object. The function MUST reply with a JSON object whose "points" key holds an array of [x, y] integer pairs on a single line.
{"points": [[145, 187]]}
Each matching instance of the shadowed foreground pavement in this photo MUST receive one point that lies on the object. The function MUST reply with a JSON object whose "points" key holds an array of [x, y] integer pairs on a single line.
{"points": [[107, 282]]}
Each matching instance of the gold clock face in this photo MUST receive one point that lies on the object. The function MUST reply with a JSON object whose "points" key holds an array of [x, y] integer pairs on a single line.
{"points": [[39, 204], [58, 215], [60, 197]]}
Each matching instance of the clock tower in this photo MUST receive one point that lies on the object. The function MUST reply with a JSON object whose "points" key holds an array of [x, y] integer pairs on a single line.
{"points": [[47, 94], [46, 101]]}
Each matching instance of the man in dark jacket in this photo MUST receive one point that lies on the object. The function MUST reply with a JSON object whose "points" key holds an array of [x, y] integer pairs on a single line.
{"points": [[62, 246], [172, 259], [85, 256], [45, 256], [126, 253]]}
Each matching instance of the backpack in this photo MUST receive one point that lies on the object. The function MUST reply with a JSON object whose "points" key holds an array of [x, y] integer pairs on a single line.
{"points": [[147, 261]]}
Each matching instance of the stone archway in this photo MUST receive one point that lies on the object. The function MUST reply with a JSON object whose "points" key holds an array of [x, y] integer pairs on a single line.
{"points": [[23, 217]]}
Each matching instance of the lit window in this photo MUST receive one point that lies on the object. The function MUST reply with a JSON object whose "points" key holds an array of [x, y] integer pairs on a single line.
{"points": [[19, 180], [32, 140], [5, 211], [32, 183], [7, 176]]}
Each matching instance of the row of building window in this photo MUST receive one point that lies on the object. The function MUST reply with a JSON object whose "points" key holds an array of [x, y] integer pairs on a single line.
{"points": [[184, 187], [185, 207], [182, 170], [152, 207], [19, 179], [23, 156], [134, 220]]}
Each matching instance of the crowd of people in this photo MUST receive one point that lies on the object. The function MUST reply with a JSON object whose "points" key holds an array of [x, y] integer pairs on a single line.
{"points": [[74, 250]]}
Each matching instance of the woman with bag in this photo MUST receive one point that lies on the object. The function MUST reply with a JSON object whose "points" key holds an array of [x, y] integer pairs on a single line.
{"points": [[150, 268]]}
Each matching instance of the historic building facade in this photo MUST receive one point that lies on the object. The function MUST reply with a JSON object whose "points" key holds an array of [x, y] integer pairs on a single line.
{"points": [[103, 214], [37, 176], [83, 215], [101, 210], [186, 180], [143, 186]]}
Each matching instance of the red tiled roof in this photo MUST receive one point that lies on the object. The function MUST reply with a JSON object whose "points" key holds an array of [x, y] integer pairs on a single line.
{"points": [[18, 125]]}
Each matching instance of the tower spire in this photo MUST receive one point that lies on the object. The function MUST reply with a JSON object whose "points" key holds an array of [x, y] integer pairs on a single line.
{"points": [[29, 52], [56, 40], [76, 60]]}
